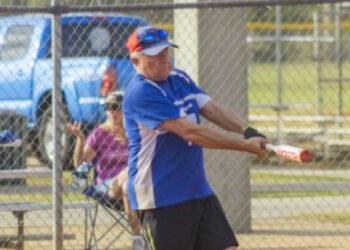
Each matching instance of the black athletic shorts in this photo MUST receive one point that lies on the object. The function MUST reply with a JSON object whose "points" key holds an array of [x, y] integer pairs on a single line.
{"points": [[193, 225]]}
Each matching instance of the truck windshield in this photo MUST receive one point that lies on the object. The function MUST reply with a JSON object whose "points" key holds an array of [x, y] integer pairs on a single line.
{"points": [[16, 42], [81, 40]]}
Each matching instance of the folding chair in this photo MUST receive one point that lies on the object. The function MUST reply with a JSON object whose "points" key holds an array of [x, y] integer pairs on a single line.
{"points": [[114, 208]]}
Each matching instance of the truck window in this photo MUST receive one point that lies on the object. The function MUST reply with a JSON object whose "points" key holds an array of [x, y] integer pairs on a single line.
{"points": [[1, 37], [16, 42], [81, 40]]}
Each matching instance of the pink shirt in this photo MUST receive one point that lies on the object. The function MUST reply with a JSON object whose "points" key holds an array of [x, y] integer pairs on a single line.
{"points": [[111, 156]]}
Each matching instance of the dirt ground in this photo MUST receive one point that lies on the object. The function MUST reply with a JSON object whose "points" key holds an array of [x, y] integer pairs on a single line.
{"points": [[297, 234], [267, 234], [281, 235]]}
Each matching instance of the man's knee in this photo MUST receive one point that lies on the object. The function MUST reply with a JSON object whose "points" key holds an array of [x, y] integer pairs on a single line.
{"points": [[115, 189]]}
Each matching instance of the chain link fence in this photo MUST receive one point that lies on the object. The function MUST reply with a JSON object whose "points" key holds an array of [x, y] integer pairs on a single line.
{"points": [[283, 68]]}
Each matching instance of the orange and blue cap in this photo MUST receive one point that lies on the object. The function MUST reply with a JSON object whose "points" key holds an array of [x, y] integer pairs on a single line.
{"points": [[149, 40]]}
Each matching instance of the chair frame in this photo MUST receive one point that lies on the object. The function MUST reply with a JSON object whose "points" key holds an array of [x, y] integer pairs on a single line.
{"points": [[113, 207]]}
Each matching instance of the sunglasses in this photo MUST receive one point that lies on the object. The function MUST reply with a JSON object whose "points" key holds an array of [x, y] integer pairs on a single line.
{"points": [[154, 36], [113, 106]]}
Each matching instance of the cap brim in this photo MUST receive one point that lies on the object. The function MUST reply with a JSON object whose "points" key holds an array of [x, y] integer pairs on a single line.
{"points": [[156, 49]]}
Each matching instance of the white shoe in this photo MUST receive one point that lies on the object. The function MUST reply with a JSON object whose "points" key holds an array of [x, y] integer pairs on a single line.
{"points": [[138, 243]]}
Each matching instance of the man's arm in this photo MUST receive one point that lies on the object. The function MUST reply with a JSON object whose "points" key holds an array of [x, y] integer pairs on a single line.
{"points": [[222, 117], [209, 138]]}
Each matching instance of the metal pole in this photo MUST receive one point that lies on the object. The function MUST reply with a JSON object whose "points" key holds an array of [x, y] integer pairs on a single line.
{"points": [[317, 57], [57, 114], [339, 60], [162, 5], [279, 80]]}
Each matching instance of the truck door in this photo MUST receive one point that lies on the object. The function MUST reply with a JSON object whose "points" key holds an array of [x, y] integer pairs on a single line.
{"points": [[17, 58]]}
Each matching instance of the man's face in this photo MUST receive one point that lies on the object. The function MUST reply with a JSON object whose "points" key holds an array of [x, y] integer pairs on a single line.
{"points": [[155, 68]]}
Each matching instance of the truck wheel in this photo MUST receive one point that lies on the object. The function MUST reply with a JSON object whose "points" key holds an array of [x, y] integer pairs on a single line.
{"points": [[46, 142]]}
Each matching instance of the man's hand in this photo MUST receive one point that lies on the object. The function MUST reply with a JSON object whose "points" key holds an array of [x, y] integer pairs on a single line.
{"points": [[252, 132], [255, 144]]}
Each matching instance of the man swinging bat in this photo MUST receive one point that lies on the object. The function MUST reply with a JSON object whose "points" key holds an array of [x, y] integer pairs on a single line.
{"points": [[167, 183]]}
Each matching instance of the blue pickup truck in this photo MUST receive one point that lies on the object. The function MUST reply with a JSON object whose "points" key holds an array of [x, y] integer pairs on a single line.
{"points": [[95, 62]]}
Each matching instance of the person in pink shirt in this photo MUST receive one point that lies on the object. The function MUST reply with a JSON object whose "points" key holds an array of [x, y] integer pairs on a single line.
{"points": [[106, 148]]}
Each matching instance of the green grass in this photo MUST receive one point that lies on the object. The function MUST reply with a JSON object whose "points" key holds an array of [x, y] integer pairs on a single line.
{"points": [[67, 179], [268, 178], [256, 178], [38, 197], [299, 87], [335, 217], [280, 179], [290, 194]]}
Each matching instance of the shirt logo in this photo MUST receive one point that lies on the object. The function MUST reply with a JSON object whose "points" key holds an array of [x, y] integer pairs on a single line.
{"points": [[188, 111]]}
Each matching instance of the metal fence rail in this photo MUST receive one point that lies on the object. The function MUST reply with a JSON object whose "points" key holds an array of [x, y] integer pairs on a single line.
{"points": [[283, 66]]}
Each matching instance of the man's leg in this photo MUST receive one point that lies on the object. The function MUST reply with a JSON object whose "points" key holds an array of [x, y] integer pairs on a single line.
{"points": [[214, 230], [172, 227]]}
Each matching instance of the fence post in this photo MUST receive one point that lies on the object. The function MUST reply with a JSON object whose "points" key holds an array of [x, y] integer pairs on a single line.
{"points": [[187, 56], [223, 62], [57, 114], [278, 67]]}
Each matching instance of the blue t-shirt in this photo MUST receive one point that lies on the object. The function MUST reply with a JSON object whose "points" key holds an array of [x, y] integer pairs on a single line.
{"points": [[164, 169]]}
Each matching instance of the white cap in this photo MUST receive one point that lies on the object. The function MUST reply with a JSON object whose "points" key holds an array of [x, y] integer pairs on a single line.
{"points": [[157, 48]]}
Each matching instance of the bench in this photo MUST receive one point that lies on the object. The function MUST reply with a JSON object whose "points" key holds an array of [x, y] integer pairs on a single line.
{"points": [[300, 118], [37, 172], [19, 208], [324, 130], [305, 124], [25, 173]]}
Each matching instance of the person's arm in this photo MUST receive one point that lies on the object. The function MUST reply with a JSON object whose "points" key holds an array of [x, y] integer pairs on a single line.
{"points": [[209, 138], [78, 150], [222, 117], [228, 120], [82, 152]]}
